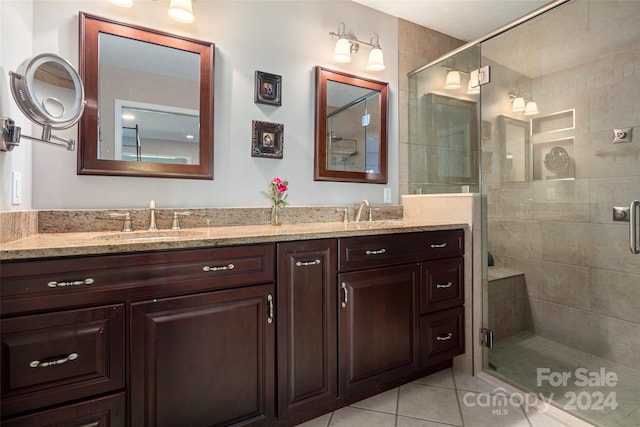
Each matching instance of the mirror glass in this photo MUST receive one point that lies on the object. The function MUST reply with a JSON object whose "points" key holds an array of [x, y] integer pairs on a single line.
{"points": [[49, 91], [351, 128], [150, 94], [514, 136], [452, 139]]}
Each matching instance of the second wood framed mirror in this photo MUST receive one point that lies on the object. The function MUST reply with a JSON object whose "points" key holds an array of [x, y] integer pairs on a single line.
{"points": [[149, 105], [350, 128]]}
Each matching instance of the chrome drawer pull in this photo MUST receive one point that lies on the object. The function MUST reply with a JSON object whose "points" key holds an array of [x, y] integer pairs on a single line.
{"points": [[444, 286], [39, 364], [378, 252], [444, 338], [305, 263], [270, 317], [438, 245], [221, 268], [346, 295], [54, 284]]}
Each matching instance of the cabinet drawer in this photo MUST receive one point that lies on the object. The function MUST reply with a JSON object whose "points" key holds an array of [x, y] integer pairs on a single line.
{"points": [[442, 284], [31, 285], [389, 249], [53, 358], [106, 411], [441, 335]]}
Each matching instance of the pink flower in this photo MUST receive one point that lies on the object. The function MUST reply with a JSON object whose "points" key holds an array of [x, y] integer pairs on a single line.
{"points": [[281, 188], [277, 189]]}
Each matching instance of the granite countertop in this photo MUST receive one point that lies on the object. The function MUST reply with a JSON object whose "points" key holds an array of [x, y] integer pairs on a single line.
{"points": [[45, 245]]}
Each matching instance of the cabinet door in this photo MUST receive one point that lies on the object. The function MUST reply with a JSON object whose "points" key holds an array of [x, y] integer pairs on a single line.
{"points": [[378, 326], [204, 359], [307, 372]]}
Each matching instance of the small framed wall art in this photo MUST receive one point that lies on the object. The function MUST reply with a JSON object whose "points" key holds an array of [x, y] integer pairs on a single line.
{"points": [[268, 89], [267, 140]]}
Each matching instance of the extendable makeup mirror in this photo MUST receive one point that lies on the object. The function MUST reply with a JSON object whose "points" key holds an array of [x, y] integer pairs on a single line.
{"points": [[49, 91]]}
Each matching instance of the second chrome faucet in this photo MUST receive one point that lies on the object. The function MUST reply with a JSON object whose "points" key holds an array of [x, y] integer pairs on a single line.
{"points": [[152, 216]]}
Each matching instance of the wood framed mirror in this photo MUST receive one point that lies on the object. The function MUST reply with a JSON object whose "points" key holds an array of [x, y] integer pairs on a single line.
{"points": [[350, 128], [149, 105]]}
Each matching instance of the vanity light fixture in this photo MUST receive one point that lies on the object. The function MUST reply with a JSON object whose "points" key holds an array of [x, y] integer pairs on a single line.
{"points": [[122, 3], [453, 80], [348, 45], [179, 10], [520, 104], [531, 109]]}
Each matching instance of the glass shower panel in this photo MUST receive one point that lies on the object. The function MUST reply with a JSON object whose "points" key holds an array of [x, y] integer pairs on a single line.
{"points": [[444, 142], [563, 298]]}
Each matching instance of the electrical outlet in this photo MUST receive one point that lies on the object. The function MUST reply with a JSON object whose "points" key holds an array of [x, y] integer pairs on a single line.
{"points": [[16, 187], [387, 194]]}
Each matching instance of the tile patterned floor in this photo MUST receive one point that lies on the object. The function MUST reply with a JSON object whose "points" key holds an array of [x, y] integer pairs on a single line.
{"points": [[517, 358], [446, 398]]}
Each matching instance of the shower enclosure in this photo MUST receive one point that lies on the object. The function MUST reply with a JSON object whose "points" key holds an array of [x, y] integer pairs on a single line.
{"points": [[553, 143]]}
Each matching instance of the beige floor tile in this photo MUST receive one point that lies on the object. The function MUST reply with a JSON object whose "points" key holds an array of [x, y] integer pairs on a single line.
{"points": [[539, 419], [321, 421], [429, 403], [483, 410], [414, 422], [467, 382], [439, 379], [355, 417], [383, 402]]}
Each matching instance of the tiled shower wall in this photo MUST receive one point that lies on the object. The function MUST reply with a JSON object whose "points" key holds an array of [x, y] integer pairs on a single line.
{"points": [[582, 281], [417, 46]]}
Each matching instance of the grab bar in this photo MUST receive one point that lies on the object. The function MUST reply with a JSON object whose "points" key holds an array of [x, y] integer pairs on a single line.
{"points": [[633, 227]]}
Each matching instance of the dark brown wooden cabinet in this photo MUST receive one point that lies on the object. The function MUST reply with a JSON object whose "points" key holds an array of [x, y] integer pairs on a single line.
{"points": [[378, 326], [307, 358], [261, 334], [203, 360]]}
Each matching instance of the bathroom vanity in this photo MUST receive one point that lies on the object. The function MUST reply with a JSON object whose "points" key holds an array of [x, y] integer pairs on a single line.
{"points": [[274, 331]]}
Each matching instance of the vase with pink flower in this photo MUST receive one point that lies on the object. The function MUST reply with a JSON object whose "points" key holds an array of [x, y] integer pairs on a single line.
{"points": [[278, 194]]}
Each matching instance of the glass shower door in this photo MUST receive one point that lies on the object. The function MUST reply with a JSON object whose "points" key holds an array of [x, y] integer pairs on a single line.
{"points": [[560, 171]]}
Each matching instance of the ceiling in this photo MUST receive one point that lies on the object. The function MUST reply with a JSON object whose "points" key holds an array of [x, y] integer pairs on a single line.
{"points": [[466, 20]]}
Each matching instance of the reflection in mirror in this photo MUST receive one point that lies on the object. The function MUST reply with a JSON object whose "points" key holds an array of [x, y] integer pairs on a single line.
{"points": [[514, 135], [351, 128], [151, 99], [452, 135], [158, 123]]}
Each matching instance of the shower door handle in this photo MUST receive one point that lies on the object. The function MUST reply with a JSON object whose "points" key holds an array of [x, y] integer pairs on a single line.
{"points": [[633, 227]]}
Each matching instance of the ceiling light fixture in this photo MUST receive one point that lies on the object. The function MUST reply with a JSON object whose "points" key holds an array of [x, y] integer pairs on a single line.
{"points": [[348, 45]]}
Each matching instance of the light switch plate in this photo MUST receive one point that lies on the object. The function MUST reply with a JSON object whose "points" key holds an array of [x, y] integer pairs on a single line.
{"points": [[387, 194], [16, 187]]}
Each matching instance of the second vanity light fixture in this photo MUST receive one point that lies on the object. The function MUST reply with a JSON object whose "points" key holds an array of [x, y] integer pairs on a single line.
{"points": [[348, 45], [179, 10], [519, 104], [453, 81]]}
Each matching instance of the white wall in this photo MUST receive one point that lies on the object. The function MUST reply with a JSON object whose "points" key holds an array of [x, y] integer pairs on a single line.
{"points": [[281, 37], [16, 26]]}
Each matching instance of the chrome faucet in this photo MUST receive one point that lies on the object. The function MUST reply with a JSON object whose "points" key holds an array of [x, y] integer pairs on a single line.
{"points": [[362, 204], [152, 219]]}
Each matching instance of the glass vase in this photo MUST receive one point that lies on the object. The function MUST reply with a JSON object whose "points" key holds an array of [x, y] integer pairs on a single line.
{"points": [[275, 216]]}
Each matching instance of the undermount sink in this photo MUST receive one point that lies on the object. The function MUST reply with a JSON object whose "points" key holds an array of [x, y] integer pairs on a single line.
{"points": [[150, 235]]}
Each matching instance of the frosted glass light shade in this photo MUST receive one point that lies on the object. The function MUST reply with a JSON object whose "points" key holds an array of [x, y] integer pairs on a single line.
{"points": [[518, 104], [342, 52], [181, 11], [376, 60], [122, 3], [531, 109], [453, 80]]}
